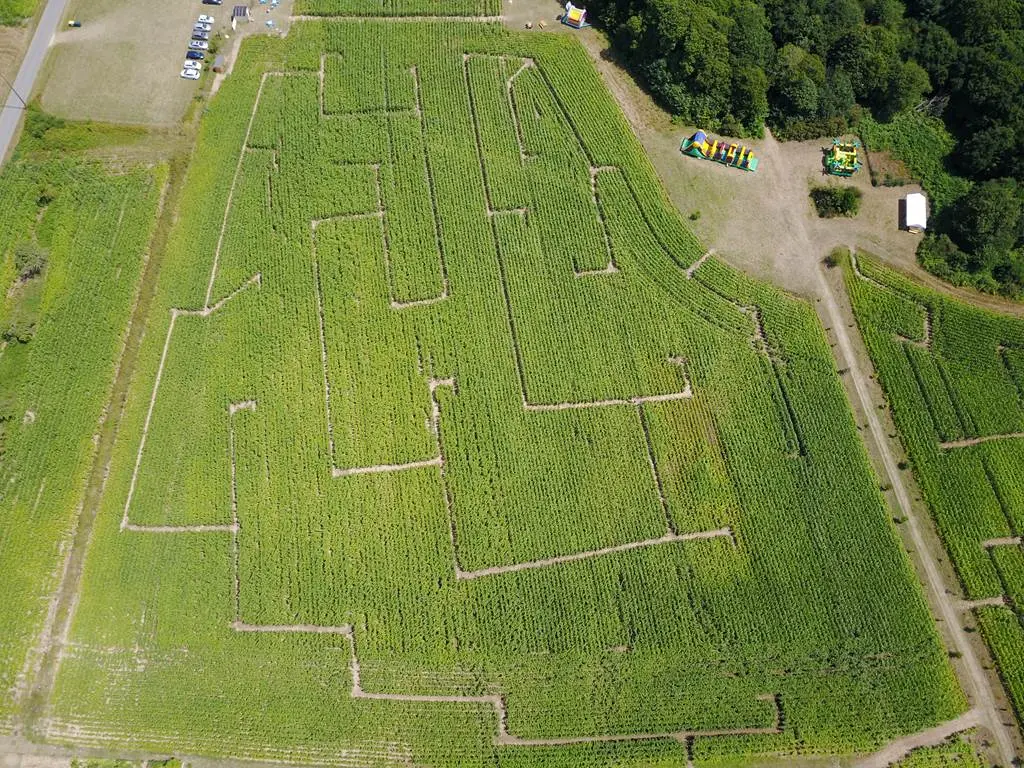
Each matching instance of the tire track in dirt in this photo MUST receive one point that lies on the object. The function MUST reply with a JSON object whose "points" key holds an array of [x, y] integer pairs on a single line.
{"points": [[900, 748]]}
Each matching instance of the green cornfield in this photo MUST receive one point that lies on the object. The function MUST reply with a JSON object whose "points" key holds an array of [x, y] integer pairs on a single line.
{"points": [[954, 378], [62, 335], [448, 446]]}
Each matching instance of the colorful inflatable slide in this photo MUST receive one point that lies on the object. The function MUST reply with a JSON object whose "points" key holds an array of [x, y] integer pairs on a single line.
{"points": [[843, 158], [700, 145]]}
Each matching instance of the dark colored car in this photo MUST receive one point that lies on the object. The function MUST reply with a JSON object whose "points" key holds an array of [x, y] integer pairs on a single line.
{"points": [[196, 55], [212, 2], [199, 35]]}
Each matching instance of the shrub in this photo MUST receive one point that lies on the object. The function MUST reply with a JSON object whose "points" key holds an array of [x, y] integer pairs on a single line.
{"points": [[29, 259], [832, 201], [837, 256], [37, 122]]}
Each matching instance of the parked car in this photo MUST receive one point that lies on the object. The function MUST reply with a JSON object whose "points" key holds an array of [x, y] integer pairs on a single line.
{"points": [[189, 64], [201, 27], [199, 35], [196, 55], [212, 2], [198, 45], [204, 19], [190, 74]]}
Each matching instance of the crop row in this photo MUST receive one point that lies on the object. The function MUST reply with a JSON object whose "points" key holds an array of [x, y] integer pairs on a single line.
{"points": [[91, 229], [957, 406], [573, 411]]}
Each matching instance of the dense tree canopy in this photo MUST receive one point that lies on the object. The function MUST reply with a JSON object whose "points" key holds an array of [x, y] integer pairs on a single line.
{"points": [[809, 68]]}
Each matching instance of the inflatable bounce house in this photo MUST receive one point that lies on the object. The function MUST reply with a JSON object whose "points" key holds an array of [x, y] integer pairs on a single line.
{"points": [[701, 145], [843, 158], [575, 17]]}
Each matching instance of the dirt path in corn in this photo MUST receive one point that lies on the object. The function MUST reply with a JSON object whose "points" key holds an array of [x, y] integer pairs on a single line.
{"points": [[66, 597], [730, 210], [898, 749]]}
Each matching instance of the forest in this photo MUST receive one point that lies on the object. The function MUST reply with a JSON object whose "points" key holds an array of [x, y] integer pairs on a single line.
{"points": [[810, 68]]}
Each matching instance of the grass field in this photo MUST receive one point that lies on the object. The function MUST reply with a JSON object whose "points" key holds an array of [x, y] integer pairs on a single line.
{"points": [[954, 376], [14, 12], [123, 64], [447, 446], [62, 335]]}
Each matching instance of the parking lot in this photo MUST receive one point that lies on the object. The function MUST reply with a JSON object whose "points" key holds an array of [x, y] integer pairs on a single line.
{"points": [[124, 63]]}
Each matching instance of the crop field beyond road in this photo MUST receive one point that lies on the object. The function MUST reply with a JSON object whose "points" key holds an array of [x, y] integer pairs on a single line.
{"points": [[954, 375], [448, 445]]}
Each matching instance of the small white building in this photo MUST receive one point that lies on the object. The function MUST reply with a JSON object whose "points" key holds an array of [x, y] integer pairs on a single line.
{"points": [[915, 212], [240, 14]]}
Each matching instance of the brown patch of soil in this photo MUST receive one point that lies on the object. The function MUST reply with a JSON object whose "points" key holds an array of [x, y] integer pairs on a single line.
{"points": [[887, 170]]}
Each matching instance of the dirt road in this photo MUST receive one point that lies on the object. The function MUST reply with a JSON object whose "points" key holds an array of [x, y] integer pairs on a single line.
{"points": [[975, 682], [901, 747]]}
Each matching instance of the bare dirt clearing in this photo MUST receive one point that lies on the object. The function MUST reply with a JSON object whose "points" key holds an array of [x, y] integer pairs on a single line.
{"points": [[747, 217], [122, 65]]}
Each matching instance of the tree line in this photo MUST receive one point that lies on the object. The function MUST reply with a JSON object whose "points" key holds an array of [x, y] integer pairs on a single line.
{"points": [[810, 68]]}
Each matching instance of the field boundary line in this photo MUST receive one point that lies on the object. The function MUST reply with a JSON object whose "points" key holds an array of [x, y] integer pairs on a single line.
{"points": [[206, 311], [64, 607]]}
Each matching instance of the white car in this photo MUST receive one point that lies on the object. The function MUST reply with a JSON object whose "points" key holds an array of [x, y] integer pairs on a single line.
{"points": [[190, 74], [204, 19], [189, 64], [201, 27], [198, 45]]}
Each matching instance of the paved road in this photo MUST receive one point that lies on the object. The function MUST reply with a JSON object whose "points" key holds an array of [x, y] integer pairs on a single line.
{"points": [[26, 78]]}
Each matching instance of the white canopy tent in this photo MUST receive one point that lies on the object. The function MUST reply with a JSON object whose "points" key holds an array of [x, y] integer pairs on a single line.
{"points": [[915, 216]]}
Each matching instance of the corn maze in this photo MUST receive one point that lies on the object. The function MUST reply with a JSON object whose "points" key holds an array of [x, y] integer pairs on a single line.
{"points": [[446, 446], [954, 376]]}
